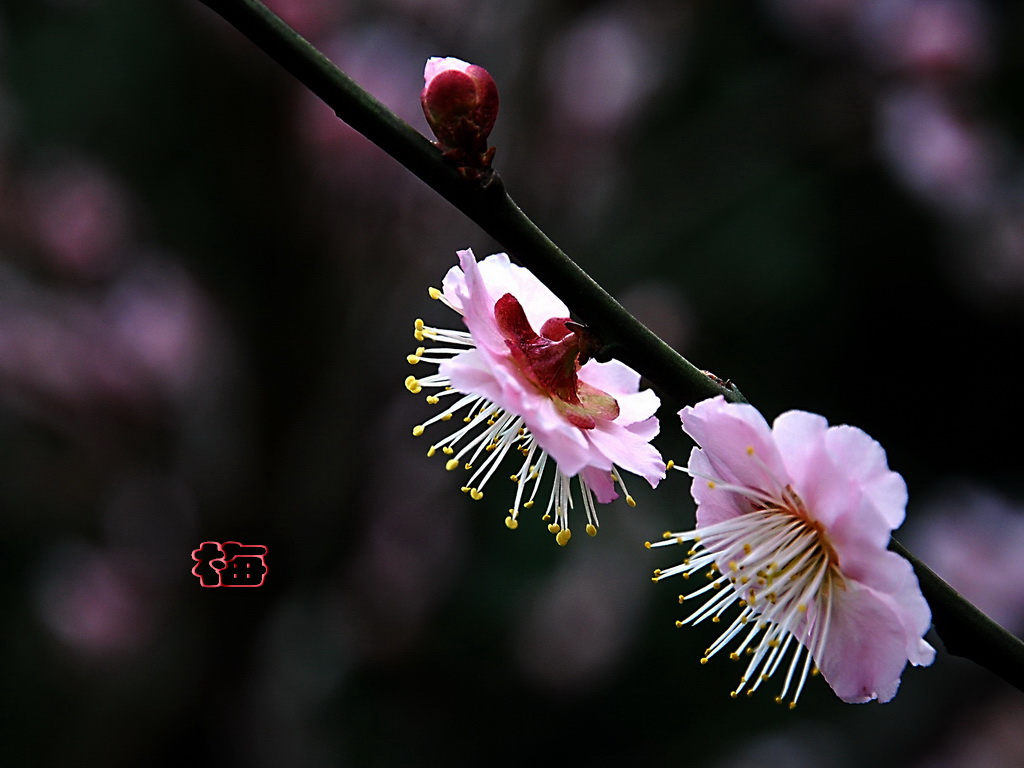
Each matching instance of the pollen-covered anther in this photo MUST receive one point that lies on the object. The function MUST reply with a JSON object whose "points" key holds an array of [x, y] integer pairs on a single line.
{"points": [[511, 523], [476, 494], [631, 501], [413, 385], [417, 430], [563, 536], [434, 293], [591, 529], [451, 464]]}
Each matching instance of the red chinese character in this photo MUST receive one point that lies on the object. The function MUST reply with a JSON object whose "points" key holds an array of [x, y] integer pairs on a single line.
{"points": [[230, 564]]}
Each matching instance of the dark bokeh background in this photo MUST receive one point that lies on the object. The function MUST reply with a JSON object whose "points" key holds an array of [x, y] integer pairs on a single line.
{"points": [[207, 290]]}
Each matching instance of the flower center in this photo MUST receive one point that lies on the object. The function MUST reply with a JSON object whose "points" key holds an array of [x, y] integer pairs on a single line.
{"points": [[550, 361]]}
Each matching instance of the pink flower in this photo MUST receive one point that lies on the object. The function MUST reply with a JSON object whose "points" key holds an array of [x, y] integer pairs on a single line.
{"points": [[534, 392], [792, 525]]}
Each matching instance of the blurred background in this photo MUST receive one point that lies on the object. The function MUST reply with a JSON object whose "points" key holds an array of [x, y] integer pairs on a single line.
{"points": [[207, 291]]}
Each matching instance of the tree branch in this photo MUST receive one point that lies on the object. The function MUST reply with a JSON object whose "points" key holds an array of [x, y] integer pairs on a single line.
{"points": [[964, 629]]}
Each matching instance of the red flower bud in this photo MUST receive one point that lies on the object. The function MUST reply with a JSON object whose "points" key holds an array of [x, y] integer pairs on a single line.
{"points": [[460, 102]]}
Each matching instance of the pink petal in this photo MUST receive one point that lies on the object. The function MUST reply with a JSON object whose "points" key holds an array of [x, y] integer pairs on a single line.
{"points": [[613, 377], [600, 482], [714, 504], [621, 382], [871, 637], [436, 65], [478, 307], [738, 444], [864, 461], [501, 276], [627, 451]]}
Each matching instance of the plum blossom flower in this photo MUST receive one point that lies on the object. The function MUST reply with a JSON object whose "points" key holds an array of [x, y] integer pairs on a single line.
{"points": [[792, 527], [532, 392]]}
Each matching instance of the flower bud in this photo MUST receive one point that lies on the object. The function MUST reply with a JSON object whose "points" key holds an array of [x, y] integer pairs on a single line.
{"points": [[460, 102]]}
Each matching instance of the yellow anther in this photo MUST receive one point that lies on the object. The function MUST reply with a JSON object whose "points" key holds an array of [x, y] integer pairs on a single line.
{"points": [[733, 566], [511, 523], [418, 332], [431, 451], [657, 571], [715, 619], [412, 359], [792, 705], [468, 465], [451, 464], [465, 489], [554, 528], [734, 656], [750, 450], [434, 293], [670, 463], [446, 417], [433, 399], [647, 544], [528, 504], [711, 484], [802, 608], [630, 500], [476, 494], [413, 385], [591, 529], [747, 548], [667, 535], [704, 660], [563, 536], [447, 450], [778, 699], [750, 692], [734, 694], [679, 624], [682, 599], [417, 430]]}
